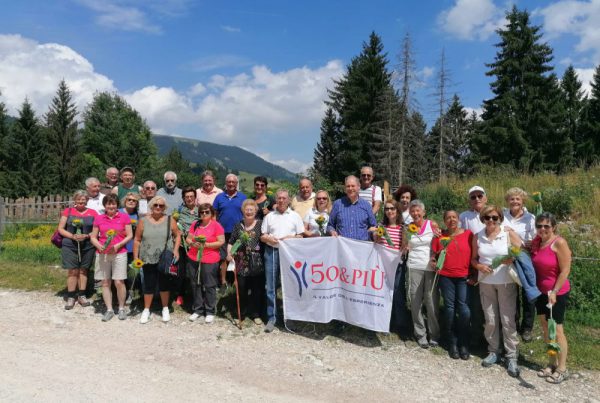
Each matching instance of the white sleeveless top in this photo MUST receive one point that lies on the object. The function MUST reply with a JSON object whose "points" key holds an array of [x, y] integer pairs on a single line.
{"points": [[419, 248], [488, 250]]}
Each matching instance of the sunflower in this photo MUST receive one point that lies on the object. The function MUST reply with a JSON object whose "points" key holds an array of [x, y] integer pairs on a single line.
{"points": [[111, 232], [175, 216], [137, 263], [413, 228]]}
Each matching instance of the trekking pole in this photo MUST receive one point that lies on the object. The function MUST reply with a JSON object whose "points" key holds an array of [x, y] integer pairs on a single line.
{"points": [[237, 298]]}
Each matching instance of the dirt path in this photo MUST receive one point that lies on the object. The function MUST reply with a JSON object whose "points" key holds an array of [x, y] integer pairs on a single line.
{"points": [[49, 354]]}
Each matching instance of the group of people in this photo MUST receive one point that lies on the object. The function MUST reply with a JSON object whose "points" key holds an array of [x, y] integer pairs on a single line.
{"points": [[470, 260]]}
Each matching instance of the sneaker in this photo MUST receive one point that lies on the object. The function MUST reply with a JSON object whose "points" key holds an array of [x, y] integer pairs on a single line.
{"points": [[527, 336], [179, 300], [83, 301], [122, 314], [108, 315], [423, 343], [490, 360], [512, 368], [209, 318], [194, 317], [433, 344], [70, 304], [464, 353], [145, 316], [166, 316], [257, 321], [270, 326], [129, 299]]}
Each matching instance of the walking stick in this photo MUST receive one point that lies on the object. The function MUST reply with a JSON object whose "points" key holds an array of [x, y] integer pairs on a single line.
{"points": [[237, 298]]}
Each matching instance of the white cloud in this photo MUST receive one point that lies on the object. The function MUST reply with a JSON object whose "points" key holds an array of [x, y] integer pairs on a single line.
{"points": [[228, 28], [196, 89], [217, 62], [292, 165], [469, 110], [586, 76], [122, 17], [426, 72], [33, 70], [471, 19], [578, 18]]}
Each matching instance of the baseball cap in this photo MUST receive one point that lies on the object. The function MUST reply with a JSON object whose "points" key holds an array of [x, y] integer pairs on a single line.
{"points": [[127, 169], [476, 189]]}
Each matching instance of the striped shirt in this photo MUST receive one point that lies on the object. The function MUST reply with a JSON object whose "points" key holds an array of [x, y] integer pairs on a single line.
{"points": [[370, 194], [351, 220], [395, 233]]}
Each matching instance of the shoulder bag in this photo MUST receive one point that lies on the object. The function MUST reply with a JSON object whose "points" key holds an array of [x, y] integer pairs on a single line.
{"points": [[166, 261], [57, 238]]}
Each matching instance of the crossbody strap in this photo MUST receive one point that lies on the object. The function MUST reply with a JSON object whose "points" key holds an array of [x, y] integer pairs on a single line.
{"points": [[168, 229]]}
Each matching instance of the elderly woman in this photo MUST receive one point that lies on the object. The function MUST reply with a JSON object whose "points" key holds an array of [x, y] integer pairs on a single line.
{"points": [[112, 231], [404, 195], [417, 241], [522, 222], [265, 202], [497, 289], [75, 226], [248, 261], [321, 208], [185, 215], [154, 233], [203, 262], [453, 282], [551, 258], [130, 201]]}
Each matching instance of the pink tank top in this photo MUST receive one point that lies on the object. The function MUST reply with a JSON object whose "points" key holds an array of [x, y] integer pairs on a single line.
{"points": [[545, 263]]}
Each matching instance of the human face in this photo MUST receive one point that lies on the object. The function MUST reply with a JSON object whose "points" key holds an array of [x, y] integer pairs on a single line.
{"points": [[208, 183], [515, 203], [112, 176], [477, 200], [130, 203], [390, 212], [491, 221], [93, 189], [231, 184], [149, 190], [544, 230], [127, 178], [80, 203], [205, 215], [451, 220], [305, 189], [417, 214], [283, 201], [170, 182], [260, 188], [352, 189], [189, 199], [322, 201], [405, 200], [366, 177], [158, 208], [110, 208], [249, 213]]}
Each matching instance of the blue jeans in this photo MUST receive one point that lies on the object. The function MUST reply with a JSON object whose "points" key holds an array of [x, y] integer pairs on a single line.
{"points": [[272, 274], [454, 291]]}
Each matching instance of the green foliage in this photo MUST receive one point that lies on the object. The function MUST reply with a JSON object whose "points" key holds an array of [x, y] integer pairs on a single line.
{"points": [[588, 133], [440, 198], [558, 201], [29, 243], [325, 161]]}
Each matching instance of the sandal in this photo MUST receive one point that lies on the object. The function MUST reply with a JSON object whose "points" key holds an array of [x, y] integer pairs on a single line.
{"points": [[558, 376], [546, 372]]}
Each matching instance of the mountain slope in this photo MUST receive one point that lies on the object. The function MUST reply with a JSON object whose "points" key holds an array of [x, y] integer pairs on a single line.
{"points": [[232, 157]]}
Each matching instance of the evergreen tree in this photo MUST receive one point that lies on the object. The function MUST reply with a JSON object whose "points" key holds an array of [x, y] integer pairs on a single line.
{"points": [[517, 120], [4, 128], [385, 146], [118, 136], [174, 161], [63, 139], [588, 132], [325, 160], [417, 170], [573, 101]]}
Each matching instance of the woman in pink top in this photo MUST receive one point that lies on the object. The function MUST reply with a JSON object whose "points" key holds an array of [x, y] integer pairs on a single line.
{"points": [[112, 231], [551, 259], [203, 269]]}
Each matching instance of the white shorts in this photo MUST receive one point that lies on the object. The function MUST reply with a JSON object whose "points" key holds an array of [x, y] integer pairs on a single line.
{"points": [[111, 266]]}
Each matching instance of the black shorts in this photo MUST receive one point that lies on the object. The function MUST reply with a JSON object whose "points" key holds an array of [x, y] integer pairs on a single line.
{"points": [[558, 309]]}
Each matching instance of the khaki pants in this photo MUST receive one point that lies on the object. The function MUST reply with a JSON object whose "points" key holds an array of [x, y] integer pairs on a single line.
{"points": [[499, 303], [420, 285]]}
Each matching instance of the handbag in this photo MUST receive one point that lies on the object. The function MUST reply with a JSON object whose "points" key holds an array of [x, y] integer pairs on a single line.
{"points": [[166, 260], [512, 272], [57, 238]]}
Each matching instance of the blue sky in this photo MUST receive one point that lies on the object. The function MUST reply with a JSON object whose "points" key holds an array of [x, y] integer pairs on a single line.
{"points": [[255, 73]]}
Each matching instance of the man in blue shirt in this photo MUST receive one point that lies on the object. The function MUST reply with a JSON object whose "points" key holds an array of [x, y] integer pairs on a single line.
{"points": [[351, 216], [228, 205]]}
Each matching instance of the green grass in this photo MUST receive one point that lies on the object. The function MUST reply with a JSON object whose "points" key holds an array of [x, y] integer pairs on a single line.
{"points": [[31, 277]]}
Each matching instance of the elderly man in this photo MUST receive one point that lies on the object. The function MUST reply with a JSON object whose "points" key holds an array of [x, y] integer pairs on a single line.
{"points": [[228, 205], [305, 199], [112, 180], [127, 184], [368, 191], [351, 216], [92, 187], [281, 223], [170, 191], [208, 192], [149, 191]]}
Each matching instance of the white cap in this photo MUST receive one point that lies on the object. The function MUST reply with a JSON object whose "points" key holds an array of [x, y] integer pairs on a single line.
{"points": [[476, 189]]}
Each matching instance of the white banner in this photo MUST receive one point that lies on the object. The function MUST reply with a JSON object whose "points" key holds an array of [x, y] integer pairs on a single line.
{"points": [[338, 278]]}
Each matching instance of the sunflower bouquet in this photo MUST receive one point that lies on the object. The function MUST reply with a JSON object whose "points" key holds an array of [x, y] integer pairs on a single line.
{"points": [[78, 224], [513, 252], [110, 235], [202, 240], [242, 240], [444, 241], [552, 347], [537, 198], [382, 233], [136, 265], [321, 220], [411, 230]]}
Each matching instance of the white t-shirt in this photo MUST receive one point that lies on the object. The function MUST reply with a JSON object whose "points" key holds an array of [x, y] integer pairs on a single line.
{"points": [[487, 251], [406, 218], [311, 219], [95, 203], [524, 226], [419, 249], [282, 224], [143, 207], [470, 220], [370, 194]]}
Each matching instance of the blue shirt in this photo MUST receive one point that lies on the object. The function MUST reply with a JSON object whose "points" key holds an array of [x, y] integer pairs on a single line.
{"points": [[351, 220], [135, 217], [229, 209]]}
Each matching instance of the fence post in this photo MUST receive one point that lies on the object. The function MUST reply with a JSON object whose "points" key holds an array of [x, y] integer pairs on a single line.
{"points": [[2, 218]]}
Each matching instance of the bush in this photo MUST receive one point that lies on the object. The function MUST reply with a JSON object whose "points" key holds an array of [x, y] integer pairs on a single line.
{"points": [[441, 198], [557, 201]]}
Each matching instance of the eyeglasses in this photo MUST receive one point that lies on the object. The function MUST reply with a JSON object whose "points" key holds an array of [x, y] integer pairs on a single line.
{"points": [[321, 198], [259, 185], [544, 226], [169, 180], [475, 197], [150, 188], [205, 212], [491, 217], [389, 208], [130, 200], [366, 175], [159, 206]]}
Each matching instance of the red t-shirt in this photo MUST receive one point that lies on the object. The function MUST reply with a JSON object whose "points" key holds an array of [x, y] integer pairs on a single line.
{"points": [[458, 255], [211, 231], [116, 223]]}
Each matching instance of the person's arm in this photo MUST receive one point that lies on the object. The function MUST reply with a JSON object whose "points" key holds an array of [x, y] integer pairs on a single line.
{"points": [[218, 243], [332, 223], [94, 239], [376, 206], [115, 190], [563, 253], [128, 237], [138, 239], [176, 238], [62, 223], [475, 258]]}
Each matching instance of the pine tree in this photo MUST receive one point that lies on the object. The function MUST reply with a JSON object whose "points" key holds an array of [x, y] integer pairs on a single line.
{"points": [[62, 132], [573, 100], [517, 121], [325, 160], [588, 132], [386, 136], [4, 129]]}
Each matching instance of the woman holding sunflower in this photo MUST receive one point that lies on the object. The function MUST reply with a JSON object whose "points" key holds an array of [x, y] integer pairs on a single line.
{"points": [[112, 231]]}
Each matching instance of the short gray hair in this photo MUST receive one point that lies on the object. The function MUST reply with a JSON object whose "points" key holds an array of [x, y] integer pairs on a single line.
{"points": [[169, 173], [152, 182], [281, 191], [155, 200], [232, 175], [90, 180], [80, 193], [417, 203], [207, 173], [352, 178]]}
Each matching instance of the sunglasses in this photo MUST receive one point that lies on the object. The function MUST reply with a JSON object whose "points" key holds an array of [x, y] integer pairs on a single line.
{"points": [[259, 185], [475, 197], [159, 206], [130, 200], [544, 226], [321, 198], [389, 208], [150, 188], [366, 176], [493, 218], [169, 180], [205, 212]]}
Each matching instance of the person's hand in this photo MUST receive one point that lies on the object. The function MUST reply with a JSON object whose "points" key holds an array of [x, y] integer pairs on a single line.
{"points": [[273, 241], [552, 298], [79, 237], [485, 269], [229, 258], [175, 256], [437, 232], [509, 260], [265, 211], [433, 262], [333, 233]]}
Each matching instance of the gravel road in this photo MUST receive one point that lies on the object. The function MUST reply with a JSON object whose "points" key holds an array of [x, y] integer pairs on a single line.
{"points": [[49, 354]]}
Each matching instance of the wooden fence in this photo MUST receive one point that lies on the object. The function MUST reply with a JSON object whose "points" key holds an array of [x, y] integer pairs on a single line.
{"points": [[37, 210]]}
